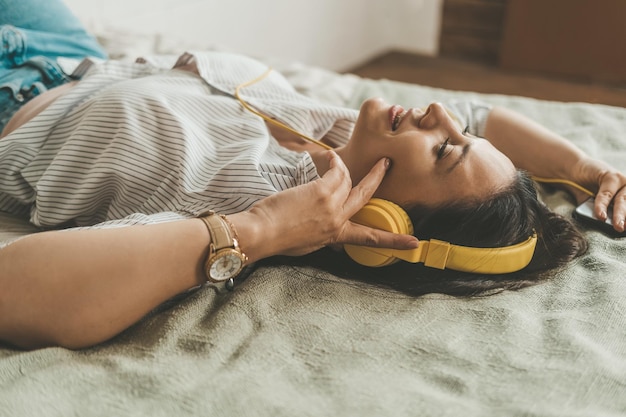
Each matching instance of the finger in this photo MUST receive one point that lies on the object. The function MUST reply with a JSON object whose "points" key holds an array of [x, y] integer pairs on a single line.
{"points": [[337, 174], [357, 234], [608, 187], [363, 191], [619, 210]]}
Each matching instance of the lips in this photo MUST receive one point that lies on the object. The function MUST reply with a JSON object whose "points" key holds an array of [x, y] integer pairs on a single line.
{"points": [[396, 113]]}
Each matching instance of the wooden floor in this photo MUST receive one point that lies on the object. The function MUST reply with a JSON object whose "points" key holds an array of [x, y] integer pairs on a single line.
{"points": [[454, 74]]}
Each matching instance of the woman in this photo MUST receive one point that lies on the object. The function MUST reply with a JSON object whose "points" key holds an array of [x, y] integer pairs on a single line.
{"points": [[152, 149]]}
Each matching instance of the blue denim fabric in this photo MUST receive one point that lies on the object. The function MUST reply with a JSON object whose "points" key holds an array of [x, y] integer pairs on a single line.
{"points": [[33, 34]]}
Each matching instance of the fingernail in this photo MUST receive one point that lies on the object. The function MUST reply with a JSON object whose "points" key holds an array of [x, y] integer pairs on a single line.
{"points": [[603, 215], [387, 163], [414, 244]]}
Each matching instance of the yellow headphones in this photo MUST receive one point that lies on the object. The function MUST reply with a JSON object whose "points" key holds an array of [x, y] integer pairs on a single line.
{"points": [[385, 215]]}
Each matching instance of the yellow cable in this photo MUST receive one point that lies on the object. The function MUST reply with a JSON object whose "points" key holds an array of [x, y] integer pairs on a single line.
{"points": [[565, 182], [268, 119]]}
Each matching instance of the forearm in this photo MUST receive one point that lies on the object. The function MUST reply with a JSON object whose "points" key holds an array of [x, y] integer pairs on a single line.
{"points": [[531, 146], [77, 288]]}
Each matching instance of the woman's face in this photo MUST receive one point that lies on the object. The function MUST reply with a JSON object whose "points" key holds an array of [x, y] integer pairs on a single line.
{"points": [[432, 160]]}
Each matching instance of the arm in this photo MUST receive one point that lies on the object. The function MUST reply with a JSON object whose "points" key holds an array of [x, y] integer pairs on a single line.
{"points": [[531, 146], [543, 153], [78, 288]]}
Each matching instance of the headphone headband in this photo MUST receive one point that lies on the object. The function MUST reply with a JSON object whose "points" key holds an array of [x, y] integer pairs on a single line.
{"points": [[434, 253], [444, 255]]}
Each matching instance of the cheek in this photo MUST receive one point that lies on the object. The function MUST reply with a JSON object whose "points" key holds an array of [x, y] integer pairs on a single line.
{"points": [[403, 184], [368, 147]]}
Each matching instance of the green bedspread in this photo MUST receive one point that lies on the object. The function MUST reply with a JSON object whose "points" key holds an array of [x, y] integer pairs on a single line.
{"points": [[294, 341]]}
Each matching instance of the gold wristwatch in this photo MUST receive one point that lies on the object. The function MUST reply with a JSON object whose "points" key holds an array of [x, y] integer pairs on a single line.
{"points": [[225, 259]]}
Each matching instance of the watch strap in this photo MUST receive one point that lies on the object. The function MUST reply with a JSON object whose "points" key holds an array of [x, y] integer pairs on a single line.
{"points": [[220, 232]]}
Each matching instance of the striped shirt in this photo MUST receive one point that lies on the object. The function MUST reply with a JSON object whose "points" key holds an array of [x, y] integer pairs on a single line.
{"points": [[140, 143], [136, 138]]}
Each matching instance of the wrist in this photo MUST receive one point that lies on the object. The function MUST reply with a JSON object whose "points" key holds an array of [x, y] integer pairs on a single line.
{"points": [[255, 237], [589, 172], [225, 259]]}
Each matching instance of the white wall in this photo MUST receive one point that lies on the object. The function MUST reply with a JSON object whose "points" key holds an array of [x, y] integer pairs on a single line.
{"points": [[335, 34]]}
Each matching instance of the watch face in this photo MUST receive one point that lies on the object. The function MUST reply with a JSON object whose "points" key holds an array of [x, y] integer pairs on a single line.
{"points": [[225, 266]]}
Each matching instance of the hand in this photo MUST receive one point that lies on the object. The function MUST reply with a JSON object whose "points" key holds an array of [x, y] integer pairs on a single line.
{"points": [[303, 219], [611, 189]]}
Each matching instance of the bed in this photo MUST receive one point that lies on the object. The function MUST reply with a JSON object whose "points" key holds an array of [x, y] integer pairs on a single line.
{"points": [[297, 341]]}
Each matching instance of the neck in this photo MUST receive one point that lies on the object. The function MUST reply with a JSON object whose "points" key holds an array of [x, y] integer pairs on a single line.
{"points": [[320, 159]]}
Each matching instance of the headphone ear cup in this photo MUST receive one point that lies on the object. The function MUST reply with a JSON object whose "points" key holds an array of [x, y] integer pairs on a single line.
{"points": [[384, 215]]}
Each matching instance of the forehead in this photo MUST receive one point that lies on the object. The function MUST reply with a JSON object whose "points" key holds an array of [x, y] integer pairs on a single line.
{"points": [[482, 171]]}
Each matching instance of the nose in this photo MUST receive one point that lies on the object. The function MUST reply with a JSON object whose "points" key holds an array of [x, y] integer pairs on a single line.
{"points": [[436, 115]]}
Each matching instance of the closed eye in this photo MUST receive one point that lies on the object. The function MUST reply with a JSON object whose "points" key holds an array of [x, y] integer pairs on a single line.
{"points": [[441, 151], [442, 148]]}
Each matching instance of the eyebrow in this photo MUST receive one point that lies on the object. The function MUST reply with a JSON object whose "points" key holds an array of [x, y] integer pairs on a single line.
{"points": [[464, 151]]}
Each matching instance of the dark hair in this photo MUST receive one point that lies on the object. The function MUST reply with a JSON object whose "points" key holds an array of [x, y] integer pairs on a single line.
{"points": [[510, 216]]}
